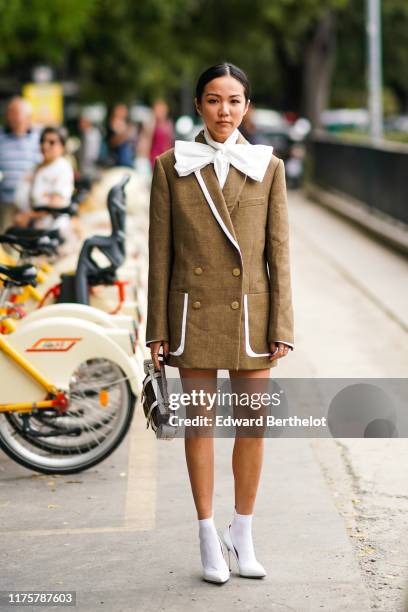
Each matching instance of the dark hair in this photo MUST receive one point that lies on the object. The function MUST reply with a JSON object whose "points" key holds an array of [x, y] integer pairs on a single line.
{"points": [[219, 70], [58, 131]]}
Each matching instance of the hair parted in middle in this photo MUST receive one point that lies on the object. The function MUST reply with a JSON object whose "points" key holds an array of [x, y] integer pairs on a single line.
{"points": [[219, 70]]}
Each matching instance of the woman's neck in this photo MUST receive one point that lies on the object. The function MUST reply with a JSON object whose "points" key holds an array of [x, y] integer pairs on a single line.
{"points": [[216, 139], [48, 162]]}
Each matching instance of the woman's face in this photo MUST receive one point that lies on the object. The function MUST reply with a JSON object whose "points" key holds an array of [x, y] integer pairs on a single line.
{"points": [[222, 106], [51, 147]]}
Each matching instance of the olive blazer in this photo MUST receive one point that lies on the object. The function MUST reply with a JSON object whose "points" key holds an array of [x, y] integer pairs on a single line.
{"points": [[219, 287]]}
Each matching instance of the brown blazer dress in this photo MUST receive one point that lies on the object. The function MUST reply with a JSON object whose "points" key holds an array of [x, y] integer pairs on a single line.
{"points": [[219, 287]]}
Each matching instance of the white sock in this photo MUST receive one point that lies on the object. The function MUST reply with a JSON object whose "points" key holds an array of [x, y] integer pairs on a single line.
{"points": [[241, 536], [211, 553]]}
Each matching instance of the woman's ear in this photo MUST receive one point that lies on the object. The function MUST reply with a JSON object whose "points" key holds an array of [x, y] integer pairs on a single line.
{"points": [[197, 106], [247, 106]]}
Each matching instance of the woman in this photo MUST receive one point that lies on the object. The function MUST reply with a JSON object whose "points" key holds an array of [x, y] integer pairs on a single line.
{"points": [[51, 184], [162, 137], [219, 294]]}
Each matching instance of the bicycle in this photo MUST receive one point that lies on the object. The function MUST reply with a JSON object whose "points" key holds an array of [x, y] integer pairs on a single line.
{"points": [[68, 388]]}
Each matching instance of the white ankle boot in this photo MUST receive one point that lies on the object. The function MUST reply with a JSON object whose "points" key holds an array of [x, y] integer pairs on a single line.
{"points": [[238, 540], [215, 568]]}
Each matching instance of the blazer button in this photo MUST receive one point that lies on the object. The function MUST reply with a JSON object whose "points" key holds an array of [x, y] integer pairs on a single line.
{"points": [[236, 271], [196, 305], [198, 270], [234, 305]]}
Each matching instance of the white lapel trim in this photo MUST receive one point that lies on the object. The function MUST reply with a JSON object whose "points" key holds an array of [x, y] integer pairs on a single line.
{"points": [[216, 214]]}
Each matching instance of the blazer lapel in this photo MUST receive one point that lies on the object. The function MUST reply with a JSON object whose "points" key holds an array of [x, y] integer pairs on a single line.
{"points": [[214, 188], [233, 187], [235, 182], [224, 199]]}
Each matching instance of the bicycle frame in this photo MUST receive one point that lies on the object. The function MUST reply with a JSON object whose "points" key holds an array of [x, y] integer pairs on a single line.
{"points": [[60, 398], [37, 361]]}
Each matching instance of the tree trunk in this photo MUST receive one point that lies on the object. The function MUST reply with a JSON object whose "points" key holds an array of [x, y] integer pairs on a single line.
{"points": [[318, 68]]}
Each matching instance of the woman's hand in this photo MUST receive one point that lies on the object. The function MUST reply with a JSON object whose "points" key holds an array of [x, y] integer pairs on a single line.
{"points": [[21, 218], [154, 350], [278, 350]]}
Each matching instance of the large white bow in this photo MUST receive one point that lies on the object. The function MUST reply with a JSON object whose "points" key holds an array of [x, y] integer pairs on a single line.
{"points": [[252, 160]]}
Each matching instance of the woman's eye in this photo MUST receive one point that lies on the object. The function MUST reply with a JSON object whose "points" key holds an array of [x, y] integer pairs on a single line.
{"points": [[211, 101]]}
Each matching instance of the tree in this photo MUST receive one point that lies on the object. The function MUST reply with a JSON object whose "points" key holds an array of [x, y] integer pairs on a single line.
{"points": [[299, 56], [38, 31]]}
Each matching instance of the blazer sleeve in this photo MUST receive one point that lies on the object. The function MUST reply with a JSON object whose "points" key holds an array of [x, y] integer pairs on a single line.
{"points": [[160, 256], [277, 253]]}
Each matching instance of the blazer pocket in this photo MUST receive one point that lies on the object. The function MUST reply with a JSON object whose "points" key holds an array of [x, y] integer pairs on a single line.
{"points": [[251, 201], [256, 322], [177, 312]]}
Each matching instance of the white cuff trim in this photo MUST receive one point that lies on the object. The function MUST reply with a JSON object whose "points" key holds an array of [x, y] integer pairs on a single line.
{"points": [[284, 342]]}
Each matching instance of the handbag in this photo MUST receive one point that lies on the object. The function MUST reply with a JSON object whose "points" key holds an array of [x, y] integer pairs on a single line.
{"points": [[155, 401]]}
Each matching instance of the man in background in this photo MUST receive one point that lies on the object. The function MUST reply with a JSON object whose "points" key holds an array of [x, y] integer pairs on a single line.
{"points": [[121, 136], [90, 149], [19, 154]]}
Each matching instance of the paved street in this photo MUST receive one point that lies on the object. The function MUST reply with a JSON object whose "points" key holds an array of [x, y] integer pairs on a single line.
{"points": [[331, 518]]}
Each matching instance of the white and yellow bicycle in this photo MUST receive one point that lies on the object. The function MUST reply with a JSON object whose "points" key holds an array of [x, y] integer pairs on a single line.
{"points": [[68, 385]]}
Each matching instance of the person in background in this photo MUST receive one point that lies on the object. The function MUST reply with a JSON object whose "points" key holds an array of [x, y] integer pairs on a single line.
{"points": [[51, 184], [248, 128], [162, 137], [19, 154], [121, 136], [91, 140]]}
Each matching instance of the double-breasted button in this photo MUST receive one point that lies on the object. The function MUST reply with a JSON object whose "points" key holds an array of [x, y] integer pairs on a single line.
{"points": [[234, 305], [196, 305], [236, 271], [198, 270]]}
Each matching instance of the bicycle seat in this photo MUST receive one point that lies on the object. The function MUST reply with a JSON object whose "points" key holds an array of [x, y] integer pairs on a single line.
{"points": [[31, 233], [19, 275], [30, 245]]}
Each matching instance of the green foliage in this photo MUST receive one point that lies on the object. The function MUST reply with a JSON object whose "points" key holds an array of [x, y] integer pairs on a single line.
{"points": [[36, 30], [139, 49]]}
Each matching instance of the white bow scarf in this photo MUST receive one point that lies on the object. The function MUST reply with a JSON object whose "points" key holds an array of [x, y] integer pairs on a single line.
{"points": [[252, 160]]}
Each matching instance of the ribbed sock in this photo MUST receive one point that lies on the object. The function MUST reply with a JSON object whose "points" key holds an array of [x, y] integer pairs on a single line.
{"points": [[210, 549]]}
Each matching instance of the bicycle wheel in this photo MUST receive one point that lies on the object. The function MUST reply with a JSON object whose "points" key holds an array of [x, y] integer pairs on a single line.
{"points": [[87, 433]]}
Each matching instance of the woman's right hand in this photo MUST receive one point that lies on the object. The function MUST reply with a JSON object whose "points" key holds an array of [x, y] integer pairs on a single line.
{"points": [[154, 350]]}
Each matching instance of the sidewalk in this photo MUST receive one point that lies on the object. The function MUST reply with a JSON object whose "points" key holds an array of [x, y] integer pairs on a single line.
{"points": [[124, 535], [300, 537]]}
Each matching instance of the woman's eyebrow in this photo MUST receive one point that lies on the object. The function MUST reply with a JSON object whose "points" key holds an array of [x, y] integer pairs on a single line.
{"points": [[219, 95]]}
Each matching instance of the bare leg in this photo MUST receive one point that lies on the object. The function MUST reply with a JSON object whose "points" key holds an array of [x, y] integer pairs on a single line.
{"points": [[200, 450], [247, 456]]}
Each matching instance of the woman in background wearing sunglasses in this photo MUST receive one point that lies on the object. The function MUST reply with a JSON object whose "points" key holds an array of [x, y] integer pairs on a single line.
{"points": [[51, 184]]}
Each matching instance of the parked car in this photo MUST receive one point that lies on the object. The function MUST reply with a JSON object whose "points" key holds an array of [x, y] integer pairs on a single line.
{"points": [[336, 120]]}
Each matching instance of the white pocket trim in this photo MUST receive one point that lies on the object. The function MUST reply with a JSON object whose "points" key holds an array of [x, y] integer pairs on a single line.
{"points": [[180, 349], [248, 348]]}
